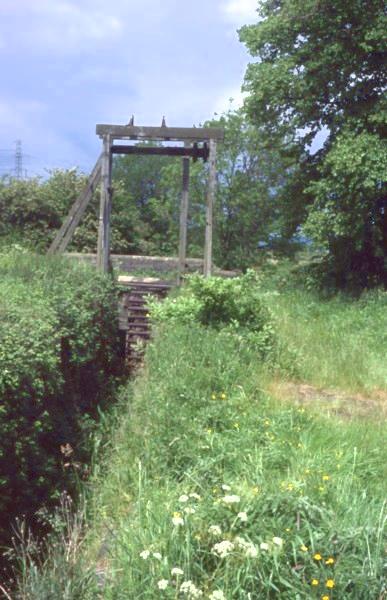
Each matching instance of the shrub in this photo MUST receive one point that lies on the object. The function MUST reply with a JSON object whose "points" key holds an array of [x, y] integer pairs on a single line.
{"points": [[58, 360], [236, 305]]}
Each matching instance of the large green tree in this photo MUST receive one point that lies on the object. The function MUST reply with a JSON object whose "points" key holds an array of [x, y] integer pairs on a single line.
{"points": [[321, 66]]}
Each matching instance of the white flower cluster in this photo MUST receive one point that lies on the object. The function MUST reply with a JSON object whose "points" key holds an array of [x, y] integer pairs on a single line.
{"points": [[231, 499], [190, 590], [145, 554], [247, 547], [215, 530], [223, 548], [217, 595], [162, 584]]}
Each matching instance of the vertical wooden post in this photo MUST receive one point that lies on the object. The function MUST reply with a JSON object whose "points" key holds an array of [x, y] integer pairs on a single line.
{"points": [[183, 220], [209, 210], [103, 247]]}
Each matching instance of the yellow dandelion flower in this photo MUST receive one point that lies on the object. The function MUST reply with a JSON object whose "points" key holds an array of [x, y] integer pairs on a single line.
{"points": [[325, 597], [304, 548], [330, 583], [330, 561], [317, 556], [267, 423], [325, 477], [287, 529], [223, 396], [213, 396], [315, 582]]}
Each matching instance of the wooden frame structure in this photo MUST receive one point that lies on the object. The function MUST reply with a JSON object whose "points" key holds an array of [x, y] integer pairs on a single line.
{"points": [[198, 143]]}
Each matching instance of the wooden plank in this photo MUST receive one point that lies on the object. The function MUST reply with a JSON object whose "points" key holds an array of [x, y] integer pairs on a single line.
{"points": [[103, 248], [209, 210], [160, 133], [183, 220], [193, 152], [65, 233]]}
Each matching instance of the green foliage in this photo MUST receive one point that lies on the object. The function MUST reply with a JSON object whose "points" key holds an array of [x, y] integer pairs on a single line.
{"points": [[348, 216], [58, 359], [204, 446], [233, 304], [321, 67]]}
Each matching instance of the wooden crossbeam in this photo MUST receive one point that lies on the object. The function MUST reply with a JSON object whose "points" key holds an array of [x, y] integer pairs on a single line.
{"points": [[65, 233], [194, 152], [189, 134]]}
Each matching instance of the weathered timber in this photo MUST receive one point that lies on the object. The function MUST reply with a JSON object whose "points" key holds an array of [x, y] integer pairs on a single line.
{"points": [[193, 134], [194, 152], [103, 247], [65, 233], [183, 220], [207, 270]]}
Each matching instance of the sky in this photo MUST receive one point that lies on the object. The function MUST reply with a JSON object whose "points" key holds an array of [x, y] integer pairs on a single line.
{"points": [[67, 65]]}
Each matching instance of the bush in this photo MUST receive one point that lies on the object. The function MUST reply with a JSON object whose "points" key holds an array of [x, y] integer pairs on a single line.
{"points": [[236, 305], [58, 360]]}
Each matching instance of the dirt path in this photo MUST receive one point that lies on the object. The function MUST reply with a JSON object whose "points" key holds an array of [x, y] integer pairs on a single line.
{"points": [[336, 402]]}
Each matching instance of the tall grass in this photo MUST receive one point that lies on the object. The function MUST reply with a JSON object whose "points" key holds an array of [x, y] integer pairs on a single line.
{"points": [[210, 489], [205, 474], [338, 342]]}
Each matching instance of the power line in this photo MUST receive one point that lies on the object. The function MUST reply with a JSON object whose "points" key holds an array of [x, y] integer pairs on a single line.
{"points": [[18, 160]]}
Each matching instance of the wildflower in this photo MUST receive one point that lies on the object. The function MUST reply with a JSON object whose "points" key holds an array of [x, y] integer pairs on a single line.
{"points": [[189, 511], [317, 556], [330, 583], [325, 477], [315, 582], [304, 548], [242, 516], [223, 548], [195, 496], [223, 396], [183, 498], [162, 584], [287, 529], [217, 595], [213, 396], [264, 546], [278, 541], [145, 554], [231, 499], [189, 589], [255, 490], [321, 488], [177, 519], [248, 547], [325, 597], [176, 571], [236, 425], [157, 555], [226, 487], [290, 487], [215, 530], [330, 561]]}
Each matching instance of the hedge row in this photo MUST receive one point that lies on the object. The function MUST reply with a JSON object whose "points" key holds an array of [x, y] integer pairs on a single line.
{"points": [[58, 362]]}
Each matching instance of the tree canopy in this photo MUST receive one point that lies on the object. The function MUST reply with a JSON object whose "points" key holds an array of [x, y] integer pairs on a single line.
{"points": [[320, 66]]}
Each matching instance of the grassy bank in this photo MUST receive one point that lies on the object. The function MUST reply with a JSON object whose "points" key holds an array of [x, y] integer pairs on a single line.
{"points": [[210, 488]]}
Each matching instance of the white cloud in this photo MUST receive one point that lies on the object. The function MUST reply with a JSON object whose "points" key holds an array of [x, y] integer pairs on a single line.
{"points": [[62, 25], [240, 12]]}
